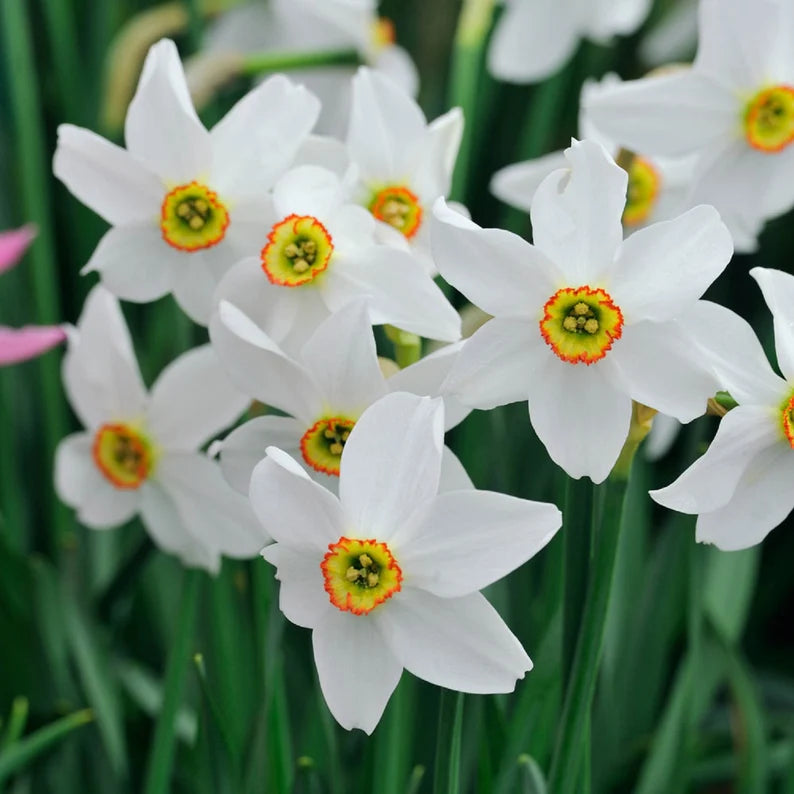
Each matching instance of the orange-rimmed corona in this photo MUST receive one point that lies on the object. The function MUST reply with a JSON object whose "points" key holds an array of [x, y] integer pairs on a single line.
{"points": [[399, 207], [383, 33], [580, 324], [299, 249], [769, 119], [323, 443], [123, 455], [360, 574], [193, 218], [787, 419], [644, 184]]}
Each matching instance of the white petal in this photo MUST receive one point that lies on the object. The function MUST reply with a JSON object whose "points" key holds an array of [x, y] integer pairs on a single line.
{"points": [[307, 190], [516, 184], [106, 177], [76, 474], [387, 128], [580, 415], [662, 369], [398, 291], [168, 530], [497, 364], [244, 447], [778, 289], [391, 463], [672, 114], [433, 174], [457, 643], [356, 685], [106, 506], [135, 263], [662, 269], [576, 214], [162, 129], [197, 279], [762, 500], [481, 536], [100, 371], [425, 378], [730, 346], [608, 17], [302, 597], [324, 151], [192, 400], [218, 517], [495, 269], [259, 369], [454, 476], [532, 40], [293, 509], [343, 361], [395, 62], [257, 140], [709, 483]]}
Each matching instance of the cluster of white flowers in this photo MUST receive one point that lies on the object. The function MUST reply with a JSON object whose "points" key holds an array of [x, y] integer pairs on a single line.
{"points": [[289, 247]]}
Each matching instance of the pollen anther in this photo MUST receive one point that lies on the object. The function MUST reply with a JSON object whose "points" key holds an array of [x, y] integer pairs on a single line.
{"points": [[323, 443], [769, 119], [123, 455], [299, 249], [193, 218], [399, 207]]}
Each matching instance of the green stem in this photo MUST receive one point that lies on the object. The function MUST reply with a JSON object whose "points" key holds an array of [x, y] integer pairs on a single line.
{"points": [[32, 154], [393, 751], [467, 54], [566, 763], [161, 755], [446, 779], [265, 62]]}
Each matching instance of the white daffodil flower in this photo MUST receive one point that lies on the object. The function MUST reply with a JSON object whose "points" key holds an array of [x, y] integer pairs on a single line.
{"points": [[734, 110], [139, 454], [387, 575], [404, 163], [320, 253], [315, 26], [535, 38], [584, 322], [325, 390], [185, 203], [740, 489], [658, 186]]}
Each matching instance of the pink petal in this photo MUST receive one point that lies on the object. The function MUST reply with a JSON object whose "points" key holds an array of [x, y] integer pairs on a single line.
{"points": [[28, 342], [13, 245]]}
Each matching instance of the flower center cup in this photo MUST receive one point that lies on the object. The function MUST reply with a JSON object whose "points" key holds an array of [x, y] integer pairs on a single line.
{"points": [[323, 443], [299, 249], [769, 119], [193, 218], [123, 455], [360, 575], [644, 182], [399, 207], [787, 420], [581, 324], [383, 33]]}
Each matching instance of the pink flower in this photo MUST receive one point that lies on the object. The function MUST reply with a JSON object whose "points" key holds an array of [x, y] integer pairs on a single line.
{"points": [[20, 344]]}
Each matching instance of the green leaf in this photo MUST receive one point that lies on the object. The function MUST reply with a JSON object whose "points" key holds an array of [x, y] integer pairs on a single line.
{"points": [[531, 776], [729, 587]]}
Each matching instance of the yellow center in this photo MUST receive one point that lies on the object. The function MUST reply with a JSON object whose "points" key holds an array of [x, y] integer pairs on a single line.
{"points": [[643, 189], [299, 249], [769, 119], [581, 324], [399, 207], [787, 420], [360, 574], [383, 33], [193, 218], [323, 443], [123, 455]]}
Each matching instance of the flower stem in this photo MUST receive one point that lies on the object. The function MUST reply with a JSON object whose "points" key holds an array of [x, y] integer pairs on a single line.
{"points": [[448, 743], [161, 755], [566, 763], [265, 62]]}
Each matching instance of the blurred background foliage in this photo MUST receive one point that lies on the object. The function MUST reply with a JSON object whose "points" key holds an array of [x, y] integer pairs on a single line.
{"points": [[696, 692]]}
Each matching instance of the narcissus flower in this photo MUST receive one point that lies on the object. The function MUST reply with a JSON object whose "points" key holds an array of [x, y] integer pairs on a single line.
{"points": [[21, 344], [404, 163], [335, 377], [740, 489], [534, 38], [658, 186], [734, 110], [584, 322], [185, 203], [316, 253], [387, 575], [139, 452]]}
